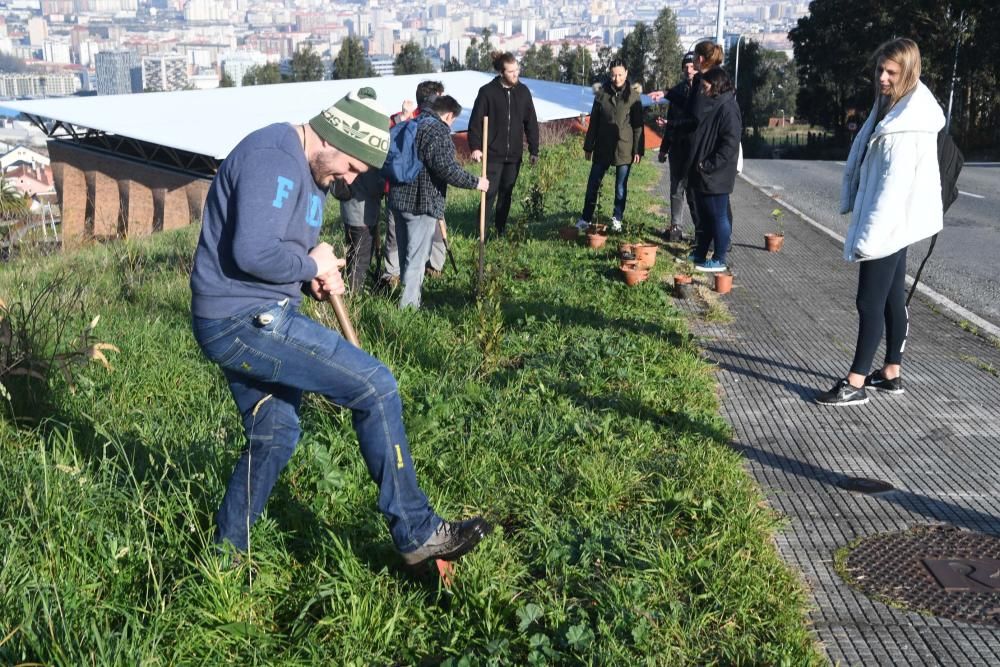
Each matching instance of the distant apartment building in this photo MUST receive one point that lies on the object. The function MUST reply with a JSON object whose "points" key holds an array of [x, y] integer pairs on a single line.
{"points": [[237, 64], [383, 66], [38, 85], [165, 72], [56, 52], [118, 72]]}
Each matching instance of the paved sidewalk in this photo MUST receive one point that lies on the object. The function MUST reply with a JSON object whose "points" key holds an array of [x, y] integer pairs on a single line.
{"points": [[793, 333]]}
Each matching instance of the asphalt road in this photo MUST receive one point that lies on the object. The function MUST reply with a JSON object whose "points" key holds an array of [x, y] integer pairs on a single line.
{"points": [[964, 264]]}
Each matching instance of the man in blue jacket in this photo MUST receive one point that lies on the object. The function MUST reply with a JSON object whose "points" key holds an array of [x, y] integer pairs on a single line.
{"points": [[257, 254]]}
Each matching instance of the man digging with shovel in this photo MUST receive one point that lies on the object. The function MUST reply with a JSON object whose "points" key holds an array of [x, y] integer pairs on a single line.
{"points": [[257, 254]]}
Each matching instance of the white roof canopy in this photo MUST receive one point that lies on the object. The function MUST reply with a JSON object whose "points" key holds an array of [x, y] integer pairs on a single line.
{"points": [[212, 122]]}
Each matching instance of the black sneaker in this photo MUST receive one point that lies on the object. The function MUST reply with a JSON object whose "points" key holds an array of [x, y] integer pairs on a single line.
{"points": [[451, 541], [879, 381], [843, 393]]}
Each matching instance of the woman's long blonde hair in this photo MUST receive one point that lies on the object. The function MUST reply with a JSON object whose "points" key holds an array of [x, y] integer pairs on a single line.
{"points": [[906, 54]]}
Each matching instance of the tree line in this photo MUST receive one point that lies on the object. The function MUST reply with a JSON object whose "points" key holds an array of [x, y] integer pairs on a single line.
{"points": [[834, 43]]}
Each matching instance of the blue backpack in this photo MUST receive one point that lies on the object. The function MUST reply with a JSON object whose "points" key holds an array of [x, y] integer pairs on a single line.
{"points": [[401, 163]]}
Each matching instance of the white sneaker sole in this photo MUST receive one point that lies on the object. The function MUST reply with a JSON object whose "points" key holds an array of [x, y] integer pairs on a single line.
{"points": [[844, 404]]}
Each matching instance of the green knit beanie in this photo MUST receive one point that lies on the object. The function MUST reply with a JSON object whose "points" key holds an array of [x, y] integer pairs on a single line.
{"points": [[357, 126]]}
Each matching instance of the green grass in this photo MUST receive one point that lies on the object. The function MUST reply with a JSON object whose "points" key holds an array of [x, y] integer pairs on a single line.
{"points": [[574, 411]]}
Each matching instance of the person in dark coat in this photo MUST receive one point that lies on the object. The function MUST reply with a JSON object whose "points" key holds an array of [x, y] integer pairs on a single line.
{"points": [[614, 139], [511, 110], [677, 97], [712, 166], [684, 123]]}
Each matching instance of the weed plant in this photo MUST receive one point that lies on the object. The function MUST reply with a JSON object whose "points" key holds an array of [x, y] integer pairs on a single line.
{"points": [[573, 411]]}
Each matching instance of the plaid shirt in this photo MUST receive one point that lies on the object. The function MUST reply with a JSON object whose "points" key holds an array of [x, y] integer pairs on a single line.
{"points": [[426, 195]]}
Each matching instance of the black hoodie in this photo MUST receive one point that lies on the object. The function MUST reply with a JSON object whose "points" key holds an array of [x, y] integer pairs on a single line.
{"points": [[512, 116]]}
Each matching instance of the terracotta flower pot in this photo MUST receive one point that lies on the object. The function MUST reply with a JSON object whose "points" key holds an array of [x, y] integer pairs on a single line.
{"points": [[646, 254], [634, 276], [569, 233], [626, 251], [773, 242], [629, 265], [596, 240], [682, 279], [597, 229], [723, 282]]}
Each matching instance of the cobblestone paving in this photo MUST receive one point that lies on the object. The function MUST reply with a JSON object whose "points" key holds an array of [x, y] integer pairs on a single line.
{"points": [[793, 332]]}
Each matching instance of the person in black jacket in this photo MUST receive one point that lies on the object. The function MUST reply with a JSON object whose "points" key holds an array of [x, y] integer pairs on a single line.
{"points": [[508, 104], [712, 166], [683, 124], [677, 97]]}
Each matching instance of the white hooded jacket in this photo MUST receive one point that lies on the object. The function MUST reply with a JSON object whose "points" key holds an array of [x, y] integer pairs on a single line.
{"points": [[892, 182]]}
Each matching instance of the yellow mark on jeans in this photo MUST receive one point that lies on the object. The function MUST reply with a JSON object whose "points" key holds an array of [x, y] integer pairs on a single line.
{"points": [[399, 457]]}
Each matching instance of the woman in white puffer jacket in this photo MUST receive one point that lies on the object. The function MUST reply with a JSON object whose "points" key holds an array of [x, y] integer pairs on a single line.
{"points": [[892, 189]]}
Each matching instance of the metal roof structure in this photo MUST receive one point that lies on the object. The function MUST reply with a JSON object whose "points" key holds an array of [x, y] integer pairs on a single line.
{"points": [[194, 130]]}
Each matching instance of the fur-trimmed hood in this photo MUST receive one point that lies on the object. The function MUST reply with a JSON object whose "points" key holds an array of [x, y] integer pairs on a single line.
{"points": [[629, 87]]}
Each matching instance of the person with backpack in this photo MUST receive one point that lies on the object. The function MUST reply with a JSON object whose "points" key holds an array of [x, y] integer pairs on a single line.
{"points": [[258, 252], [892, 189], [422, 167], [511, 110]]}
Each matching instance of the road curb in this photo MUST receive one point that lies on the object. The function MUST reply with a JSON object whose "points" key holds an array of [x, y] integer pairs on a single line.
{"points": [[959, 313]]}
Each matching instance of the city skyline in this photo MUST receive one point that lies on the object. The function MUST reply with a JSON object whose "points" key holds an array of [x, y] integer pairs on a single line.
{"points": [[66, 36]]}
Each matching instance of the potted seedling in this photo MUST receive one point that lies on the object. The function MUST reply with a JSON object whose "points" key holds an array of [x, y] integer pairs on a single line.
{"points": [[774, 241]]}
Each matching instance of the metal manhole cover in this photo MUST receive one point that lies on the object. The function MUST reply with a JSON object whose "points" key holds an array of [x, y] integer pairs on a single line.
{"points": [[938, 570]]}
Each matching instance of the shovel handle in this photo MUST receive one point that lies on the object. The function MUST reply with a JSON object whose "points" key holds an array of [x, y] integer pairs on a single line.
{"points": [[346, 328]]}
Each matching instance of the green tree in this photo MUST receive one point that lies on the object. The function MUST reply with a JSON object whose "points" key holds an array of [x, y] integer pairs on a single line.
{"points": [[576, 65], [411, 60], [637, 54], [307, 65], [834, 43], [452, 65], [768, 83], [259, 75], [667, 51], [226, 81], [351, 62], [479, 55]]}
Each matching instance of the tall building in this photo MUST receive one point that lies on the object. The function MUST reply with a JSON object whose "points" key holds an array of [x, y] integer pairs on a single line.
{"points": [[118, 72], [237, 64], [37, 85], [164, 72]]}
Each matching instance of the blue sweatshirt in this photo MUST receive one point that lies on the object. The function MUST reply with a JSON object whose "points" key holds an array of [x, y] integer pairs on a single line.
{"points": [[262, 216]]}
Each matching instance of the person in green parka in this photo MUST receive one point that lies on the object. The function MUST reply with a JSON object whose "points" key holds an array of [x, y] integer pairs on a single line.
{"points": [[614, 139]]}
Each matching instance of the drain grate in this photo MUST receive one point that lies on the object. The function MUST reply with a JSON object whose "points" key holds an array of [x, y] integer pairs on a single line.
{"points": [[937, 570]]}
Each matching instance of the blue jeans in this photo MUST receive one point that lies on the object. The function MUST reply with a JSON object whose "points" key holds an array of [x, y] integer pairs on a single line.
{"points": [[713, 212], [270, 354], [597, 171], [414, 235]]}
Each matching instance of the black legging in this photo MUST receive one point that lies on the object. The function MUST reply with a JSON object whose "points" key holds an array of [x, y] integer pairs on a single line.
{"points": [[881, 302]]}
